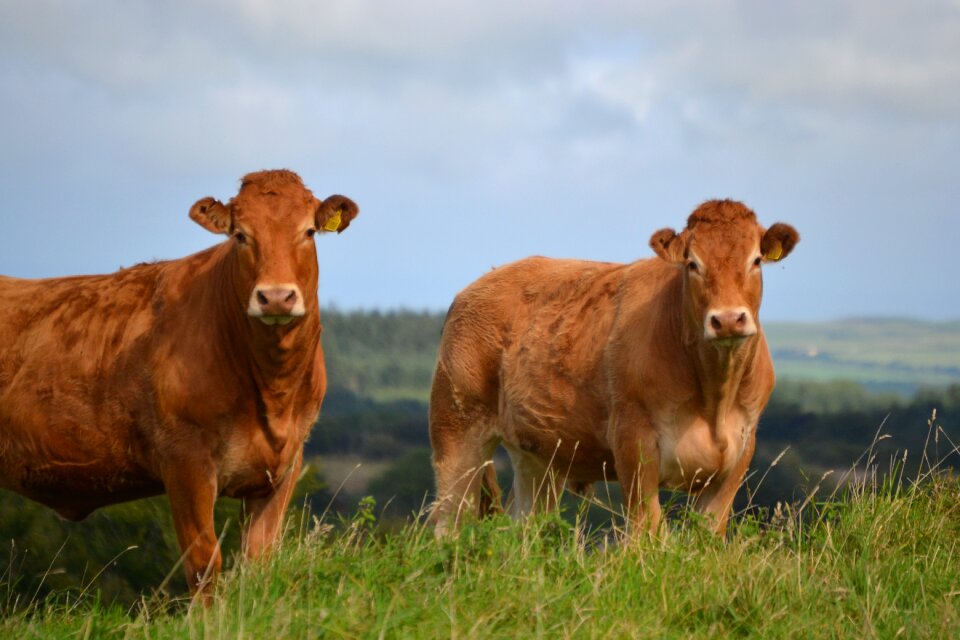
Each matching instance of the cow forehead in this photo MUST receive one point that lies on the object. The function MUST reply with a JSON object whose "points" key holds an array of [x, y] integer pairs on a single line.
{"points": [[273, 202], [274, 207], [720, 229], [726, 239]]}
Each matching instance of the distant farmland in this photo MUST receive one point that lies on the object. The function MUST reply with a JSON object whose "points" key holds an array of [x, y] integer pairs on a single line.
{"points": [[882, 354]]}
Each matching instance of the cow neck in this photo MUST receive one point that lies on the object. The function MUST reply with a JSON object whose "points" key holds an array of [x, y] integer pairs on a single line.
{"points": [[279, 355], [720, 373], [274, 356]]}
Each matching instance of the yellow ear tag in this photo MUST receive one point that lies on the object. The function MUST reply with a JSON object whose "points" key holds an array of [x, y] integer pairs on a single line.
{"points": [[774, 254], [333, 222]]}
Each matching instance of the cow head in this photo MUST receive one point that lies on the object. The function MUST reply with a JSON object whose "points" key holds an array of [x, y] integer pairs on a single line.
{"points": [[272, 222], [721, 252]]}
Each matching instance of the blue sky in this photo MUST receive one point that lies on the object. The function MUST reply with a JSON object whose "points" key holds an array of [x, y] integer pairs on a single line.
{"points": [[473, 134]]}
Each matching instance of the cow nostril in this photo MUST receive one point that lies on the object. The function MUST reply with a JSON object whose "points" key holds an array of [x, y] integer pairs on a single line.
{"points": [[715, 323], [742, 319], [291, 297], [261, 298]]}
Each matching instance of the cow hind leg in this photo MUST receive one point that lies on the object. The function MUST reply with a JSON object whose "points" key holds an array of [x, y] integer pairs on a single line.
{"points": [[463, 486], [536, 487], [463, 444]]}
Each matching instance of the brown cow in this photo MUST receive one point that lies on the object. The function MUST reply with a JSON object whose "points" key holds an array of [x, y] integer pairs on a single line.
{"points": [[197, 377], [653, 373]]}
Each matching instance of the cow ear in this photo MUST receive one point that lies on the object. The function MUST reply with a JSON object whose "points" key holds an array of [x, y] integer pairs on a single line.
{"points": [[212, 215], [778, 241], [668, 245], [335, 213]]}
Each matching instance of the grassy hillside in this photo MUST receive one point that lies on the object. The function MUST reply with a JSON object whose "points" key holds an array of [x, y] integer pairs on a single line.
{"points": [[879, 562]]}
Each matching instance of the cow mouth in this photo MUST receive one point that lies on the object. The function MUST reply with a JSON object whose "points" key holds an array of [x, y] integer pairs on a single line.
{"points": [[730, 342], [276, 320]]}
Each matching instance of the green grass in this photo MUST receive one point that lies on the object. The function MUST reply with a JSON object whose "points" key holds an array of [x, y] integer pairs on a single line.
{"points": [[879, 561]]}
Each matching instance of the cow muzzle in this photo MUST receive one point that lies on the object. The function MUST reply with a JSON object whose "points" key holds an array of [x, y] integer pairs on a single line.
{"points": [[276, 304], [728, 327]]}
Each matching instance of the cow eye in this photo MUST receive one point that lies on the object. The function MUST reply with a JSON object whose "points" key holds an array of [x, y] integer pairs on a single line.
{"points": [[757, 262], [241, 237], [692, 266], [311, 232]]}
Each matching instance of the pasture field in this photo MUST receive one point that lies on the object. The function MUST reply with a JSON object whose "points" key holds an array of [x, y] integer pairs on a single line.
{"points": [[879, 561]]}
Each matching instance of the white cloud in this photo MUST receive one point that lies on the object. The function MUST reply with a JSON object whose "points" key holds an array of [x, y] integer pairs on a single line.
{"points": [[842, 58]]}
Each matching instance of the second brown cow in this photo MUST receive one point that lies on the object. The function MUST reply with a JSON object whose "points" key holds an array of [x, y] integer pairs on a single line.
{"points": [[197, 377], [652, 373]]}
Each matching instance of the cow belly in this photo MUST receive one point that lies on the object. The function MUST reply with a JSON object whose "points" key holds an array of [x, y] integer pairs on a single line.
{"points": [[72, 469], [566, 442], [75, 489]]}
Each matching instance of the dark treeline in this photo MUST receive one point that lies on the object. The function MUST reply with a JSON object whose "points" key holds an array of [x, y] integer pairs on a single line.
{"points": [[382, 355], [380, 365]]}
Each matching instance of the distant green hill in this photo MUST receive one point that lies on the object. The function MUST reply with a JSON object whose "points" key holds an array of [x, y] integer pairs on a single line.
{"points": [[879, 353]]}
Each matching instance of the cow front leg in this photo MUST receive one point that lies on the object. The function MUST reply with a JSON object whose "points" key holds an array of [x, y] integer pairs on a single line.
{"points": [[265, 515], [192, 490], [636, 457], [716, 500]]}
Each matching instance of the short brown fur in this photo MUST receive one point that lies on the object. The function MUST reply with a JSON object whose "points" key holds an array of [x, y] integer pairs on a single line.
{"points": [[589, 371], [155, 379]]}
